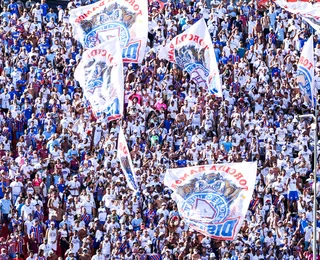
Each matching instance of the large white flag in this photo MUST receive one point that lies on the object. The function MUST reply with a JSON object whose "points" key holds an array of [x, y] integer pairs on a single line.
{"points": [[213, 199], [193, 51], [126, 162], [310, 12], [305, 72], [100, 74], [92, 24]]}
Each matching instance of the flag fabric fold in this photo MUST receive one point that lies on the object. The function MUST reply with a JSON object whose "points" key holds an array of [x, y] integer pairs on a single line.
{"points": [[193, 51], [100, 74], [213, 199], [310, 12], [126, 162], [305, 72], [128, 20]]}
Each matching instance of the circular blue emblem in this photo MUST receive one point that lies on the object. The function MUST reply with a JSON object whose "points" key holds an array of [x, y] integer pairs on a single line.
{"points": [[207, 207], [103, 32]]}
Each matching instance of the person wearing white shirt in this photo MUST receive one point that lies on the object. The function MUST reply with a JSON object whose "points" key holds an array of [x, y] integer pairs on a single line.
{"points": [[89, 205], [16, 188], [74, 186], [27, 209], [5, 99], [163, 211]]}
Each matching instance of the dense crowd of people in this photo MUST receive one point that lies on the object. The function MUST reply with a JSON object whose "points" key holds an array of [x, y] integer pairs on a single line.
{"points": [[63, 194]]}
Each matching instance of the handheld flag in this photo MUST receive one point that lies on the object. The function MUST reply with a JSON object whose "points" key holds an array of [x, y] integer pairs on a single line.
{"points": [[305, 72], [310, 12], [126, 162], [100, 74], [95, 23], [213, 199], [193, 51]]}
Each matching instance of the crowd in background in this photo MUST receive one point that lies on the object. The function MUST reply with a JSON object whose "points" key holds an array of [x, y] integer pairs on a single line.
{"points": [[62, 191]]}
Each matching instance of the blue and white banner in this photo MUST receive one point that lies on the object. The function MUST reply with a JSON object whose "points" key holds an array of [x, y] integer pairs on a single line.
{"points": [[126, 162], [100, 74], [213, 199], [193, 51], [92, 24], [305, 72]]}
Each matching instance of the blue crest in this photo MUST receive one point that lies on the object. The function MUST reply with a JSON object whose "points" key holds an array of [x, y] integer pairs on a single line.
{"points": [[304, 80], [192, 60], [113, 17], [206, 204]]}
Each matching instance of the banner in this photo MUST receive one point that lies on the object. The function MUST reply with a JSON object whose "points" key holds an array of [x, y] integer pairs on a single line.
{"points": [[95, 23], [126, 162], [213, 199], [305, 72], [308, 11], [100, 74], [193, 51]]}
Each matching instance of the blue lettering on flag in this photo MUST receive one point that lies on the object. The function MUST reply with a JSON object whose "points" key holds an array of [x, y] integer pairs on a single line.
{"points": [[131, 52]]}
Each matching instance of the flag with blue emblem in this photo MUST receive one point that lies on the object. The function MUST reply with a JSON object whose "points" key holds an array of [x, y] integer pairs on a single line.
{"points": [[305, 73], [100, 74], [126, 162], [213, 199], [105, 19], [192, 51]]}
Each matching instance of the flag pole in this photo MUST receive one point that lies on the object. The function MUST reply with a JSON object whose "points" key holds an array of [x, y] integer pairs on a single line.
{"points": [[315, 165]]}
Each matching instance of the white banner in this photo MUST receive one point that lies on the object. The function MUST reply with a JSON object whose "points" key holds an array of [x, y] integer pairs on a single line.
{"points": [[213, 199], [308, 11], [305, 72], [193, 51], [126, 162], [100, 74], [92, 24]]}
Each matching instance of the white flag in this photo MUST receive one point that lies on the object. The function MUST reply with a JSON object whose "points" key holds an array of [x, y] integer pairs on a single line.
{"points": [[100, 74], [193, 51], [305, 72], [128, 20], [310, 12], [126, 162], [213, 199]]}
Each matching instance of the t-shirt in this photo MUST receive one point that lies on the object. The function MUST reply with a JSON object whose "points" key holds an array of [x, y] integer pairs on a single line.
{"points": [[16, 187]]}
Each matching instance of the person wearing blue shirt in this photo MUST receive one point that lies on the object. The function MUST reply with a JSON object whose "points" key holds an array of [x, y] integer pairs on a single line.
{"points": [[71, 152], [43, 46], [181, 162], [13, 8], [15, 47], [27, 111], [3, 185], [217, 52], [224, 59], [273, 16], [28, 45], [48, 132], [5, 207], [227, 144], [44, 6], [52, 143], [15, 34], [51, 15], [136, 222], [5, 15], [12, 93]]}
